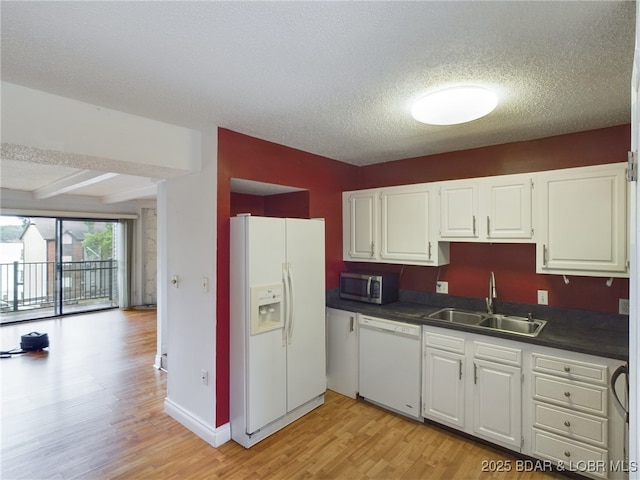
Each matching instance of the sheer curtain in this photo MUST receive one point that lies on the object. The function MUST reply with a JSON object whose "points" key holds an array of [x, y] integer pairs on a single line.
{"points": [[125, 252]]}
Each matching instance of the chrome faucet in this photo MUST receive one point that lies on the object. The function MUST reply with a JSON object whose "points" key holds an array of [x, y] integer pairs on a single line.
{"points": [[492, 294]]}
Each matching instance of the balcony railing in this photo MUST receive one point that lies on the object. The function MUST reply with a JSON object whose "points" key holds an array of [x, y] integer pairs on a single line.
{"points": [[29, 285]]}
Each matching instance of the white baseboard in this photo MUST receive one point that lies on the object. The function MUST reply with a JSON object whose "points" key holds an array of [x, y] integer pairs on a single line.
{"points": [[157, 363], [213, 436]]}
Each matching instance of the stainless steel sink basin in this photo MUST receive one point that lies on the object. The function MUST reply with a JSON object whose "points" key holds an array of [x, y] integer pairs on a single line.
{"points": [[501, 323], [457, 316], [519, 325]]}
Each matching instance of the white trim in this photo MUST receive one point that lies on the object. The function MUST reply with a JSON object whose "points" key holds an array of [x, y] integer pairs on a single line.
{"points": [[157, 362], [634, 265], [213, 436], [19, 212]]}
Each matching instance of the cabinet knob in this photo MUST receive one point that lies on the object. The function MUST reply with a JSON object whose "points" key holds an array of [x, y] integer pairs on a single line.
{"points": [[567, 369], [567, 453], [567, 423], [567, 394]]}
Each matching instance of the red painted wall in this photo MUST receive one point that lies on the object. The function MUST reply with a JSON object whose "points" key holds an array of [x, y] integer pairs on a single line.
{"points": [[245, 157], [607, 145], [291, 205], [241, 156], [243, 203]]}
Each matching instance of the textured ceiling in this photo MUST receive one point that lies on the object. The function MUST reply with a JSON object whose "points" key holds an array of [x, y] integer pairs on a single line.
{"points": [[332, 78]]}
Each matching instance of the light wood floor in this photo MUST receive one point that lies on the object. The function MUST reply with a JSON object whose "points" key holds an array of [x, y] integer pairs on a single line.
{"points": [[92, 408]]}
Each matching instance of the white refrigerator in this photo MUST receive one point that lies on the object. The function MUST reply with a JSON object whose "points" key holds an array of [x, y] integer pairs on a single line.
{"points": [[277, 323]]}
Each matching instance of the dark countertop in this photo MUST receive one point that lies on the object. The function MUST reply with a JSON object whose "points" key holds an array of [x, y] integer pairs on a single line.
{"points": [[594, 333]]}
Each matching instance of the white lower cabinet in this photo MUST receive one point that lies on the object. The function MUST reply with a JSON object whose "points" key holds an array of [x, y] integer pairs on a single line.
{"points": [[575, 421], [554, 405], [497, 400], [473, 386], [342, 352], [444, 362]]}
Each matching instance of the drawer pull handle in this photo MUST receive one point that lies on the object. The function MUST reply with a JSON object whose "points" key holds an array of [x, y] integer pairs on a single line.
{"points": [[567, 453], [567, 369], [567, 423], [567, 394]]}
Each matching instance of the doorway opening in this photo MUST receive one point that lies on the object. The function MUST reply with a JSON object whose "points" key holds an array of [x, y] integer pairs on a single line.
{"points": [[52, 266]]}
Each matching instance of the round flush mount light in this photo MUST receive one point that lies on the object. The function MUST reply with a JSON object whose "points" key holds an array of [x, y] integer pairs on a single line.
{"points": [[454, 105]]}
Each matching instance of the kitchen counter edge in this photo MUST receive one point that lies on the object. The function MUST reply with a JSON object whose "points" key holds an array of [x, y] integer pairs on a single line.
{"points": [[582, 332]]}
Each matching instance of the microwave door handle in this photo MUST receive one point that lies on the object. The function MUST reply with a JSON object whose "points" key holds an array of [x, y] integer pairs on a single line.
{"points": [[369, 287]]}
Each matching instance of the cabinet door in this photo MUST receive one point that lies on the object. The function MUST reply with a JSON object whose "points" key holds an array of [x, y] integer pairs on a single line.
{"points": [[459, 209], [342, 352], [360, 226], [443, 387], [584, 221], [508, 204], [405, 224], [497, 401]]}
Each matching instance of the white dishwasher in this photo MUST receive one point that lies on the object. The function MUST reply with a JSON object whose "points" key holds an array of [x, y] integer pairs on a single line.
{"points": [[390, 364]]}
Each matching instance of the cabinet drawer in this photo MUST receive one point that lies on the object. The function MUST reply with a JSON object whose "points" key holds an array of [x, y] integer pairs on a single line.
{"points": [[573, 369], [444, 342], [574, 456], [497, 353], [581, 396], [575, 425]]}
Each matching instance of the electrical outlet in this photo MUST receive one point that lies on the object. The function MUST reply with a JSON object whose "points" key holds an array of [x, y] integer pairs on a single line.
{"points": [[623, 306], [442, 287], [204, 377], [543, 297]]}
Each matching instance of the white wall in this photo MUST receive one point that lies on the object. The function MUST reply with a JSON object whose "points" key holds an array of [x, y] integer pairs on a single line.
{"points": [[190, 213]]}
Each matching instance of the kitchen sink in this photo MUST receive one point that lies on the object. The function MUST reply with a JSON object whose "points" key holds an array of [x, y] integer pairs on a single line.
{"points": [[519, 325], [454, 315], [502, 323]]}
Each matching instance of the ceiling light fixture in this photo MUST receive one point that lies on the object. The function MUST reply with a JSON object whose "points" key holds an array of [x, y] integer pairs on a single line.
{"points": [[454, 105]]}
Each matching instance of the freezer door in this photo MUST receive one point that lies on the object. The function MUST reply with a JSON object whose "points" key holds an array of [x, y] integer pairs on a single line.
{"points": [[306, 366], [266, 352]]}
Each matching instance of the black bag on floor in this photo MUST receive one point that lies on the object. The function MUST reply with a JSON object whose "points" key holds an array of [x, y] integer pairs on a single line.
{"points": [[34, 341]]}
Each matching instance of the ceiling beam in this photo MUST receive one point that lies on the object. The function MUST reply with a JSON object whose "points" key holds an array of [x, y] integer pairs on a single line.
{"points": [[147, 191], [72, 182]]}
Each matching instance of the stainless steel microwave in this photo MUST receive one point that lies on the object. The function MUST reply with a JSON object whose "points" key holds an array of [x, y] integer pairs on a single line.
{"points": [[370, 288]]}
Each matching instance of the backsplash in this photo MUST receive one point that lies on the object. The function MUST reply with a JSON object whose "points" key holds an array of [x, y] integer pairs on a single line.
{"points": [[514, 266]]}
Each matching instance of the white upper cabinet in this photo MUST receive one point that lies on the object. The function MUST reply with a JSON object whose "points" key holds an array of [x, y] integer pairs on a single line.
{"points": [[489, 209], [508, 201], [360, 226], [583, 221], [459, 209], [407, 229], [393, 225], [578, 218]]}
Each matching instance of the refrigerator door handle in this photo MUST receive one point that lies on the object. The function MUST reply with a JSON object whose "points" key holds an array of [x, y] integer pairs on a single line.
{"points": [[287, 302], [292, 301]]}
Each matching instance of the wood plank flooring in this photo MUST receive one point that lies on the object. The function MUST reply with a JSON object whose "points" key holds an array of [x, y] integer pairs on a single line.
{"points": [[91, 407]]}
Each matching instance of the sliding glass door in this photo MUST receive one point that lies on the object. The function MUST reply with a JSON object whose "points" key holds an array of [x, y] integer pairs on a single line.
{"points": [[57, 266], [88, 269]]}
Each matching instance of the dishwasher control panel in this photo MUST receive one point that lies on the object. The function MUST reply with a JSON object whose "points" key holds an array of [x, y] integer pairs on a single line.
{"points": [[390, 326]]}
